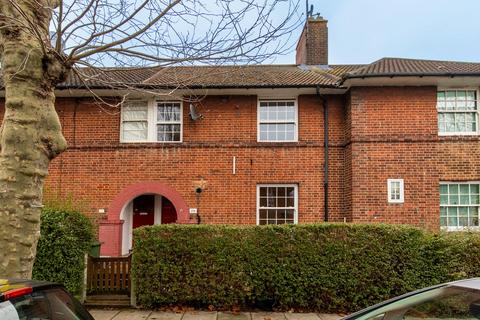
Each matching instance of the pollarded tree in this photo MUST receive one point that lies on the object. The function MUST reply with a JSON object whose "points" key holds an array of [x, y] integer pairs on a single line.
{"points": [[42, 42]]}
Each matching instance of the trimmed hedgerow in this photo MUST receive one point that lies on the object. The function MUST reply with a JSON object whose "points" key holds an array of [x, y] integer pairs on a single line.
{"points": [[65, 237], [327, 267]]}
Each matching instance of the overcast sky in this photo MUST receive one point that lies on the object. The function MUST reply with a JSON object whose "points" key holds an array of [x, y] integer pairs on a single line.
{"points": [[362, 31]]}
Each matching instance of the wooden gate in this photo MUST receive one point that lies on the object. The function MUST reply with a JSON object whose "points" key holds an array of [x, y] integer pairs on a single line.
{"points": [[109, 275]]}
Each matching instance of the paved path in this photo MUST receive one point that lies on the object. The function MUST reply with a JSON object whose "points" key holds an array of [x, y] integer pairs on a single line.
{"points": [[132, 314]]}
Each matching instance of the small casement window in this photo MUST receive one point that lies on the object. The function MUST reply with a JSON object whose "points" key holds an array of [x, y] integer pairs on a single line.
{"points": [[277, 204], [395, 190], [135, 121], [151, 121], [277, 120], [169, 121], [459, 205], [457, 112]]}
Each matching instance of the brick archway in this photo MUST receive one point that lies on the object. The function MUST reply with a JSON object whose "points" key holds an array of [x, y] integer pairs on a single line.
{"points": [[110, 230], [135, 190]]}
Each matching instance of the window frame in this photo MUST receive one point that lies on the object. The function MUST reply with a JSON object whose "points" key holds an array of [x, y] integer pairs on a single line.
{"points": [[457, 228], [477, 112], [286, 185], [156, 123], [389, 191], [122, 121], [152, 121], [281, 99]]}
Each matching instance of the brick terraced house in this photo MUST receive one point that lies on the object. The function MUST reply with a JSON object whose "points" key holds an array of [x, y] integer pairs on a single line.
{"points": [[394, 141]]}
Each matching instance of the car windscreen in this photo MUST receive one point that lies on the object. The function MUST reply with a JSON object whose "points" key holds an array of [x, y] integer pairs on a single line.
{"points": [[450, 302], [48, 304]]}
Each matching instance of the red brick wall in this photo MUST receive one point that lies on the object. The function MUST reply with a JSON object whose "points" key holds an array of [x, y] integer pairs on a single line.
{"points": [[394, 135], [97, 167], [375, 134]]}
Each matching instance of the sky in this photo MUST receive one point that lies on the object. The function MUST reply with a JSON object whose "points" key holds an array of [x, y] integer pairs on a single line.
{"points": [[362, 31]]}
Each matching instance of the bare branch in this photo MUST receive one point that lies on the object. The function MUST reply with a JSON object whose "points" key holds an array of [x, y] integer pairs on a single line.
{"points": [[130, 37]]}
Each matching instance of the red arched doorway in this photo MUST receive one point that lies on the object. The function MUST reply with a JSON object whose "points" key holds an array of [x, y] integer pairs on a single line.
{"points": [[111, 231]]}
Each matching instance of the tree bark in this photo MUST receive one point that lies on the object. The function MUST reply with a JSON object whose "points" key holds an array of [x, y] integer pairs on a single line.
{"points": [[30, 135]]}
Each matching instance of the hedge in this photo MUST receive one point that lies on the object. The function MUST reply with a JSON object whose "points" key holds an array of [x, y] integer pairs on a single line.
{"points": [[65, 237], [327, 267]]}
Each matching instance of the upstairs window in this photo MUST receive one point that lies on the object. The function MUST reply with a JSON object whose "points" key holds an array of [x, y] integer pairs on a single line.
{"points": [[277, 121], [144, 121], [457, 112], [135, 121], [169, 122]]}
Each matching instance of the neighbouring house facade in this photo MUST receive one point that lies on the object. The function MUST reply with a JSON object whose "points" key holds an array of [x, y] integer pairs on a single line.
{"points": [[395, 141]]}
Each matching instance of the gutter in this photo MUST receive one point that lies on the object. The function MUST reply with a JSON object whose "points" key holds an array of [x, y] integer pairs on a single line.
{"points": [[408, 74], [326, 154], [169, 87]]}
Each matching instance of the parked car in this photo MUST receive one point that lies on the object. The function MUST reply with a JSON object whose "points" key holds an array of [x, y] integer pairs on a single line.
{"points": [[29, 299], [454, 300]]}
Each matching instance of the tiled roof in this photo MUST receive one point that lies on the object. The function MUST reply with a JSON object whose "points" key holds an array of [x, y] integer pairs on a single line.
{"points": [[261, 76], [408, 67], [255, 76]]}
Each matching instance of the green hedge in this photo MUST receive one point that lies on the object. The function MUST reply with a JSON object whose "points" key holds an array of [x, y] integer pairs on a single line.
{"points": [[65, 237], [327, 267]]}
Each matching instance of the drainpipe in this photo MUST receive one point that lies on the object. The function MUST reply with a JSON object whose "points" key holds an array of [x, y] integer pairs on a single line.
{"points": [[325, 148]]}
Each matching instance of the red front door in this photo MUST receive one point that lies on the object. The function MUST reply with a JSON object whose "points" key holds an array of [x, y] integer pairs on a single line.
{"points": [[169, 214], [143, 211]]}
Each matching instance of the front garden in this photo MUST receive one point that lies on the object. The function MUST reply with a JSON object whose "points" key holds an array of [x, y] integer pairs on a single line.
{"points": [[325, 267]]}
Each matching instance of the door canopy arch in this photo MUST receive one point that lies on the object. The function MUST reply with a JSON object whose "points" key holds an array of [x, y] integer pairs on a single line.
{"points": [[135, 190]]}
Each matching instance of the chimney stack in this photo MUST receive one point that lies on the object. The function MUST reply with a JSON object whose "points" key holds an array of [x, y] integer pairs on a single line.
{"points": [[312, 47]]}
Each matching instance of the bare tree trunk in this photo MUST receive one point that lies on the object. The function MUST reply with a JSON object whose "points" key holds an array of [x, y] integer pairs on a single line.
{"points": [[30, 135]]}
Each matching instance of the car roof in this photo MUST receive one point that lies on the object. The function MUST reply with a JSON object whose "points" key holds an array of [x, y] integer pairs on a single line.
{"points": [[473, 283], [13, 284]]}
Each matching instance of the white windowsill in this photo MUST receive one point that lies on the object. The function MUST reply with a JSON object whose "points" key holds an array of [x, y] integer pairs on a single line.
{"points": [[461, 229]]}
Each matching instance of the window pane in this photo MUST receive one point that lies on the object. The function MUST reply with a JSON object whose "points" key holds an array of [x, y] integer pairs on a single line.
{"points": [[168, 112], [473, 221], [443, 199], [453, 199], [471, 95], [263, 202], [450, 95], [440, 95], [463, 211], [474, 199], [443, 189], [464, 199], [443, 222], [132, 111], [453, 188], [461, 95], [463, 222], [263, 214], [453, 222], [168, 132], [443, 211], [135, 131], [474, 188]]}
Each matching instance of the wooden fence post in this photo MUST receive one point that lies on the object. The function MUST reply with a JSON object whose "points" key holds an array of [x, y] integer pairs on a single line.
{"points": [[85, 274], [133, 295]]}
